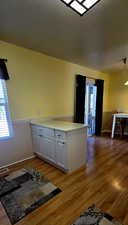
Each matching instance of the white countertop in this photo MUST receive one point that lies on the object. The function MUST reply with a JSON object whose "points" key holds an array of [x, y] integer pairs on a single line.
{"points": [[59, 125]]}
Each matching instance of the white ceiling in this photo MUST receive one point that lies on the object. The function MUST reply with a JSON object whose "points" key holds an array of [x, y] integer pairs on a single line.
{"points": [[98, 40]]}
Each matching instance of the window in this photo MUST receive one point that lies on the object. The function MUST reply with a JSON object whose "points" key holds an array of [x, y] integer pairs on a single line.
{"points": [[5, 121]]}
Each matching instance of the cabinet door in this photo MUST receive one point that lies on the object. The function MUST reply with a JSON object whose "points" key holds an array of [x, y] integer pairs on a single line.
{"points": [[47, 149], [36, 143], [61, 158]]}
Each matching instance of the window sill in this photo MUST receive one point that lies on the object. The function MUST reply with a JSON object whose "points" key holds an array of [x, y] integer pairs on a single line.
{"points": [[5, 138]]}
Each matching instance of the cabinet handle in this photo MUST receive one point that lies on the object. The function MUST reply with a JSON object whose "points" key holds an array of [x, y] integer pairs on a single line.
{"points": [[61, 143]]}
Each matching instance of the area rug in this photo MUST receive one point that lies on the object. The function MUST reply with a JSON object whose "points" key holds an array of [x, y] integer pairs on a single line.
{"points": [[94, 216], [24, 191]]}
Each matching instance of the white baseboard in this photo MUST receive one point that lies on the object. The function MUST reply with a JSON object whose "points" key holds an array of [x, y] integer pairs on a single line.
{"points": [[11, 164]]}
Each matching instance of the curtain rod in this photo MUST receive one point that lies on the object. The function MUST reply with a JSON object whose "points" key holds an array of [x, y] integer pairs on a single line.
{"points": [[5, 60]]}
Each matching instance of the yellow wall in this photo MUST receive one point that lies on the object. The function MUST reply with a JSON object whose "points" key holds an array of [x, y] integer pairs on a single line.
{"points": [[117, 98], [41, 85], [118, 93]]}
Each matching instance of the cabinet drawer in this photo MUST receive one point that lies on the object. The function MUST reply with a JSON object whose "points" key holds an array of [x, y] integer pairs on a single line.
{"points": [[60, 135], [42, 131], [34, 130], [48, 132]]}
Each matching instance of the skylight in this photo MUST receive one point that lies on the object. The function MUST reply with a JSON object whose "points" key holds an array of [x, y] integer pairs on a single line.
{"points": [[80, 6]]}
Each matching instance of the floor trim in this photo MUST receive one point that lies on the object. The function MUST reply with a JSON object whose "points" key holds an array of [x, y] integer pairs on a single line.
{"points": [[11, 164]]}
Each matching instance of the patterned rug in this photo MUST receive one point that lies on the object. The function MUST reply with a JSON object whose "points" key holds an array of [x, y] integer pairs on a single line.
{"points": [[24, 191], [94, 216]]}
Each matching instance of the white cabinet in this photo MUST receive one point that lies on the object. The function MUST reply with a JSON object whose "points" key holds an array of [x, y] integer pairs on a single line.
{"points": [[44, 147], [61, 159], [36, 143], [65, 149], [47, 149]]}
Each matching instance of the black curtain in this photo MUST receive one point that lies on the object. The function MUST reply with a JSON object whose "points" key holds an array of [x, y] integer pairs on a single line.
{"points": [[3, 71], [80, 89], [99, 106]]}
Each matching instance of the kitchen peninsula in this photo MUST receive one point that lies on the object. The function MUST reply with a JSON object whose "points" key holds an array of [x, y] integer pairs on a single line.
{"points": [[62, 144]]}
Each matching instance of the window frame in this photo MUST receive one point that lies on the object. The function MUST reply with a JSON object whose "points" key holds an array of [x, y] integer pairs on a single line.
{"points": [[7, 111]]}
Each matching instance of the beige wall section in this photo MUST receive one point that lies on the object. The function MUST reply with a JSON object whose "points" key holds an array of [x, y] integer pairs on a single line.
{"points": [[107, 121], [19, 147], [41, 85], [118, 97], [118, 93]]}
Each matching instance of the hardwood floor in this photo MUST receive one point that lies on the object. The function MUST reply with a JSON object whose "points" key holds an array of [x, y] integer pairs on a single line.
{"points": [[103, 182]]}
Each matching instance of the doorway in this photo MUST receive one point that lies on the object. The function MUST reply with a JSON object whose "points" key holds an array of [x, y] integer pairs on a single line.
{"points": [[90, 107]]}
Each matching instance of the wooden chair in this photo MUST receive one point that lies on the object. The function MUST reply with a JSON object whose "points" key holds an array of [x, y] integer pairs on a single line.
{"points": [[121, 123]]}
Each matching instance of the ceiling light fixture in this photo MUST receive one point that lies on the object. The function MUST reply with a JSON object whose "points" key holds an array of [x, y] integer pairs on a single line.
{"points": [[81, 6]]}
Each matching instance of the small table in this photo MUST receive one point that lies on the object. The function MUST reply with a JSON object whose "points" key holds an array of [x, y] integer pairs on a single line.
{"points": [[115, 116]]}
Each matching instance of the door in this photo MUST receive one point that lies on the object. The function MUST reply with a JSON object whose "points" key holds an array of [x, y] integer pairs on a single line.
{"points": [[47, 149], [90, 108], [61, 154]]}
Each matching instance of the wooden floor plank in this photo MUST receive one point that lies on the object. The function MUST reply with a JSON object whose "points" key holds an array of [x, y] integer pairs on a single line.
{"points": [[102, 182]]}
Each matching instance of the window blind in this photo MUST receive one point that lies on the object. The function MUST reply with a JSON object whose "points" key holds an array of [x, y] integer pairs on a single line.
{"points": [[5, 122]]}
